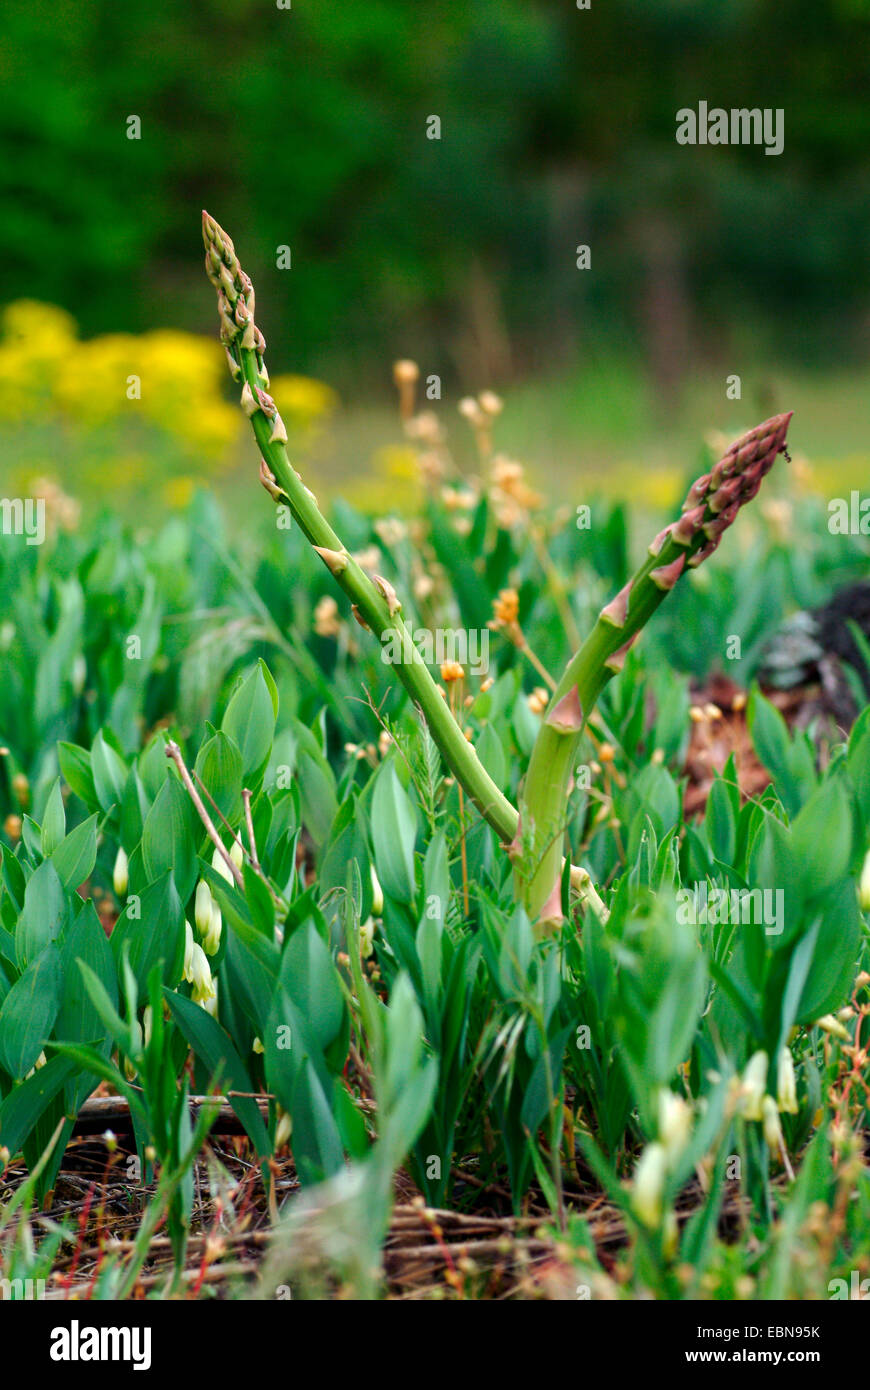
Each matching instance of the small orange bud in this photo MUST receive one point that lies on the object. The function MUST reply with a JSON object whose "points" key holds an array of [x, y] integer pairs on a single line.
{"points": [[507, 607], [405, 372]]}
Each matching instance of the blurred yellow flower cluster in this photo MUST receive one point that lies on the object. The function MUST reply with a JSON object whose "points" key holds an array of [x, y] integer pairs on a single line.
{"points": [[168, 379], [304, 404]]}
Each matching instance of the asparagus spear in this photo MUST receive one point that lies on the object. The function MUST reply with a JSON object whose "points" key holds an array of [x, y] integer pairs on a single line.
{"points": [[711, 506], [374, 600]]}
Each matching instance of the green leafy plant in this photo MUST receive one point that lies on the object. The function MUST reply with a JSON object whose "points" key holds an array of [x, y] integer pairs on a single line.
{"points": [[473, 935]]}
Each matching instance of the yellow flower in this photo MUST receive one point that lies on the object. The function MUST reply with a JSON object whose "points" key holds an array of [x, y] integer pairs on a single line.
{"points": [[36, 341], [28, 323], [178, 492], [506, 608], [303, 401]]}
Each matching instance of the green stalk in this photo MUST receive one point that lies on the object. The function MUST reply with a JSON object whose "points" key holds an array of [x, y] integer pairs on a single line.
{"points": [[374, 599], [710, 508]]}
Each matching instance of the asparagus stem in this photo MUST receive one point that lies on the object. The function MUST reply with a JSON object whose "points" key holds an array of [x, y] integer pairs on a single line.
{"points": [[710, 508], [374, 601]]}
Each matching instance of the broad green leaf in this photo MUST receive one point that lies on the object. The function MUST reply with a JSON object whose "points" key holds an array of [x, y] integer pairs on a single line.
{"points": [[75, 857], [154, 766], [394, 831], [859, 766], [152, 928], [22, 1108], [13, 876], [250, 722], [43, 914], [109, 773], [316, 1142], [311, 980], [28, 1012], [347, 843], [261, 904], [134, 809], [822, 837], [491, 754], [788, 761], [832, 971], [720, 821], [219, 769], [105, 1007], [317, 793], [85, 942], [212, 1045], [75, 767], [53, 821], [169, 838]]}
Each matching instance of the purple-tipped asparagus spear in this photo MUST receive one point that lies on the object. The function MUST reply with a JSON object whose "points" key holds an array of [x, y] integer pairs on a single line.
{"points": [[711, 505]]}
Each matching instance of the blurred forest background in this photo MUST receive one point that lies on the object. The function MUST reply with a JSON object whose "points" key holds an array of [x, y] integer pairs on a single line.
{"points": [[307, 128]]}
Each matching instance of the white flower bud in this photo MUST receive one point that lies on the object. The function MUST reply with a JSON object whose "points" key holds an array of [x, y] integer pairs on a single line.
{"points": [[237, 854], [211, 1003], [188, 953], [770, 1120], [377, 894], [200, 970], [786, 1089], [675, 1123], [832, 1025], [203, 984], [754, 1085], [120, 876], [212, 939], [649, 1183], [147, 1023], [283, 1129], [202, 907], [220, 864]]}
